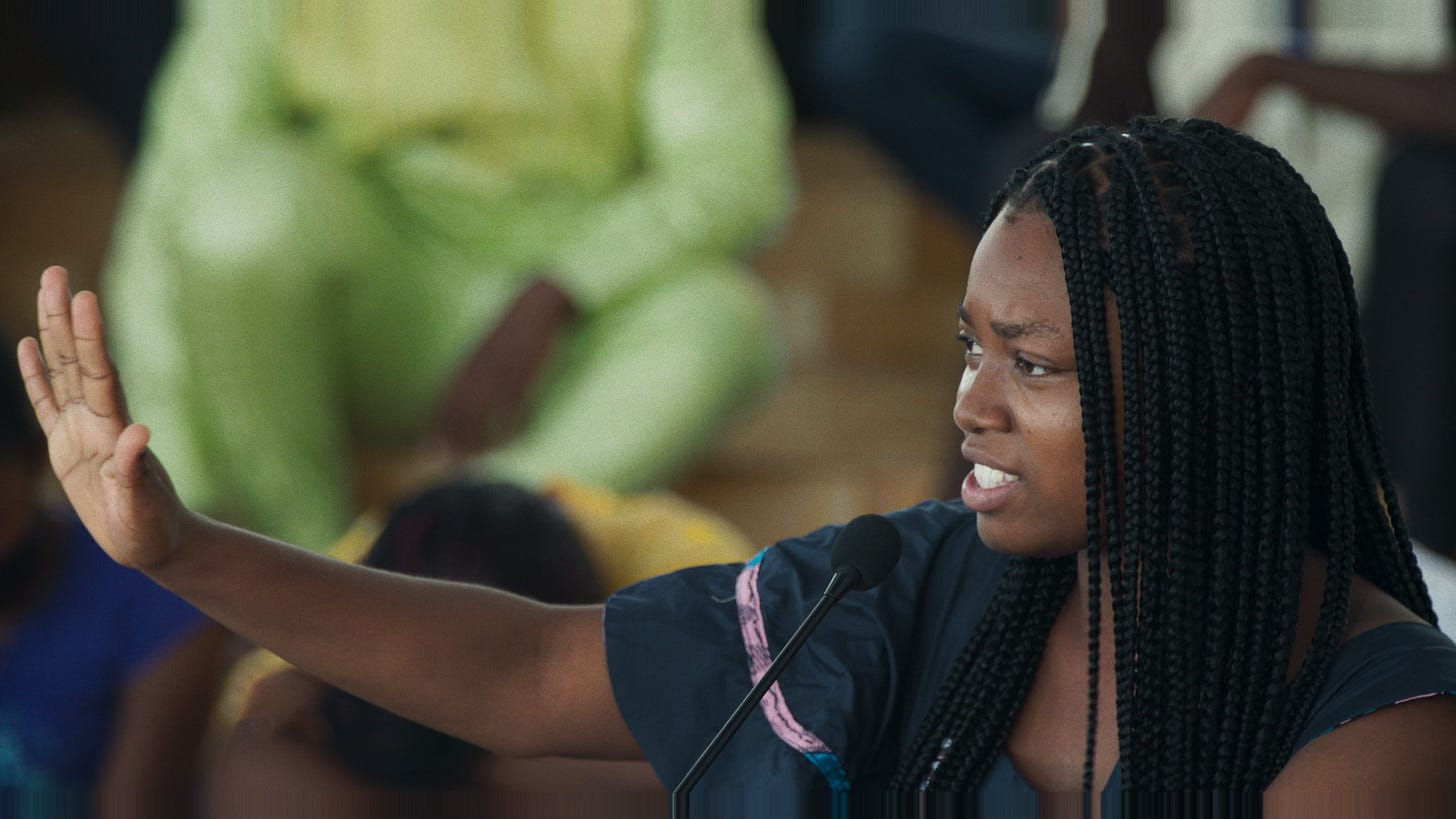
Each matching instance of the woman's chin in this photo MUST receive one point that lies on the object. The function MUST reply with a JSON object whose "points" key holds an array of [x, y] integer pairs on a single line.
{"points": [[1009, 540]]}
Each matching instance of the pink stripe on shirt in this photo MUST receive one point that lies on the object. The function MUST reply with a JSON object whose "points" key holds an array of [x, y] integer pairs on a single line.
{"points": [[755, 641]]}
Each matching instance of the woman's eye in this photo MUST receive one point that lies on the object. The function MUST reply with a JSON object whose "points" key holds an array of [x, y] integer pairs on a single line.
{"points": [[1030, 368]]}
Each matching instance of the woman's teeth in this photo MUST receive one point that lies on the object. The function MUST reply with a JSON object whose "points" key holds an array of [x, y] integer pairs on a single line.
{"points": [[990, 478]]}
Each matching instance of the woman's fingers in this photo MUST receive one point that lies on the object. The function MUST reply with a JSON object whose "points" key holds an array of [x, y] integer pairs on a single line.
{"points": [[77, 368], [126, 457], [37, 384], [99, 383], [53, 313]]}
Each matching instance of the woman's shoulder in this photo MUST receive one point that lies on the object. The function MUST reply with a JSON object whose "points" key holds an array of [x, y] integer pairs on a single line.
{"points": [[1389, 656], [1386, 665], [1382, 731], [719, 626]]}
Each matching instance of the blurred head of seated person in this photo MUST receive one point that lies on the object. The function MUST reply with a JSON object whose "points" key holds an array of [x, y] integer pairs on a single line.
{"points": [[322, 751], [493, 534], [105, 681]]}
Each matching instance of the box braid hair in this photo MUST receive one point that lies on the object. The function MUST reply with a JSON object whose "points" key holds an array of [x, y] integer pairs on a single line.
{"points": [[1250, 436]]}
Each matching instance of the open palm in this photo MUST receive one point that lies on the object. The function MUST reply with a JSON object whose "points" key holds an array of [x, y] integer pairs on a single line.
{"points": [[118, 489]]}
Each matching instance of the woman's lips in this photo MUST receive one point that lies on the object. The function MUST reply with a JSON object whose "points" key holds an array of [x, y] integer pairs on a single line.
{"points": [[980, 499]]}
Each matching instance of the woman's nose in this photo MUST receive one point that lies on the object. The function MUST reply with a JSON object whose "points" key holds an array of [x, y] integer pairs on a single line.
{"points": [[980, 406]]}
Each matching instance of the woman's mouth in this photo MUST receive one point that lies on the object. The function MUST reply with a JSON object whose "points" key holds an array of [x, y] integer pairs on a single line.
{"points": [[987, 488]]}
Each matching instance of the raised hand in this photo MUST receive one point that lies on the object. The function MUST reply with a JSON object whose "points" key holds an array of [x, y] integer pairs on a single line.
{"points": [[116, 486]]}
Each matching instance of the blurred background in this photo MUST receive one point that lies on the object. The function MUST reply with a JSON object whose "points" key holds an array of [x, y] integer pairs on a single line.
{"points": [[879, 132], [867, 267]]}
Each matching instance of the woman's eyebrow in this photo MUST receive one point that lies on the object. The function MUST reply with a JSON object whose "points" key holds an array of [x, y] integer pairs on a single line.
{"points": [[1018, 329]]}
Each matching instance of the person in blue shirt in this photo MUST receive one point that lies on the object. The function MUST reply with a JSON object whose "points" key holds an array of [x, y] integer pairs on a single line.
{"points": [[1172, 585], [106, 678]]}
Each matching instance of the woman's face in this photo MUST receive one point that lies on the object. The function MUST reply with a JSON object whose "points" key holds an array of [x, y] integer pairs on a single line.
{"points": [[1018, 404]]}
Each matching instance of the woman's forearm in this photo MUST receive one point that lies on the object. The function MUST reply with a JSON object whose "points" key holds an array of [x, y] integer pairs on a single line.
{"points": [[475, 662]]}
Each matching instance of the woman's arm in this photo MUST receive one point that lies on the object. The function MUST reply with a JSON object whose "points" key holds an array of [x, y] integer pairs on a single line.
{"points": [[150, 760], [509, 674], [1408, 103]]}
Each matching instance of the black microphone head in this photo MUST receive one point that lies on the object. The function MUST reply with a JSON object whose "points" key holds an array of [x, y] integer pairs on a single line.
{"points": [[868, 547]]}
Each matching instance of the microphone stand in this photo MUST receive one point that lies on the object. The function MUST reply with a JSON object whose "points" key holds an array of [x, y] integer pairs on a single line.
{"points": [[844, 579]]}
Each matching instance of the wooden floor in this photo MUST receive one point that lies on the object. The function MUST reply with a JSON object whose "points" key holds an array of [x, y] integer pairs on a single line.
{"points": [[867, 273]]}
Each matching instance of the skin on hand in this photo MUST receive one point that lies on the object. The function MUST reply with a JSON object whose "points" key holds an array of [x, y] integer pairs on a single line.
{"points": [[118, 489], [1234, 97], [488, 401]]}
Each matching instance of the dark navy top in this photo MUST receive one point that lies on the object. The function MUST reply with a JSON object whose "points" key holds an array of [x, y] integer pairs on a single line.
{"points": [[681, 649]]}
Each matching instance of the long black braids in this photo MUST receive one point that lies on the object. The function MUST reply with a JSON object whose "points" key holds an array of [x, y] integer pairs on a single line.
{"points": [[1230, 308], [1248, 438], [1088, 300], [1269, 574]]}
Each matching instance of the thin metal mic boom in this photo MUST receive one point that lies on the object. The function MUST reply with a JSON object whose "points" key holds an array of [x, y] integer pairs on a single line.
{"points": [[864, 552]]}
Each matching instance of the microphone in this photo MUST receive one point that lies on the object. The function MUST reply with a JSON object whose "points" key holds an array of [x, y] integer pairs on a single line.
{"points": [[864, 552]]}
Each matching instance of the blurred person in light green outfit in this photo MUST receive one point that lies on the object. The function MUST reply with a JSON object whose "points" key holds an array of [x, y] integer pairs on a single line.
{"points": [[506, 233]]}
